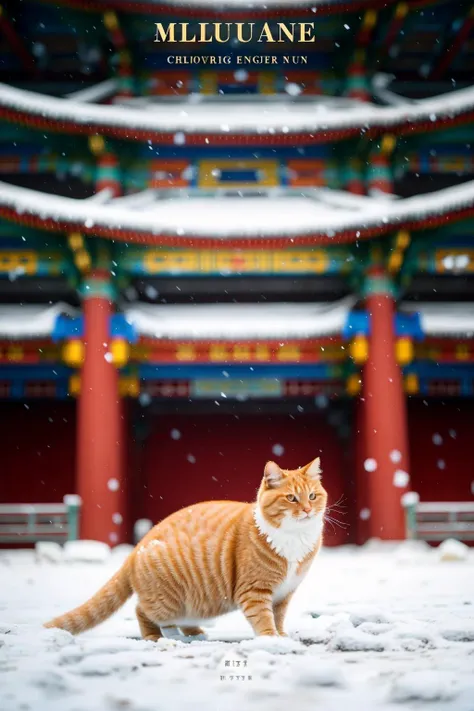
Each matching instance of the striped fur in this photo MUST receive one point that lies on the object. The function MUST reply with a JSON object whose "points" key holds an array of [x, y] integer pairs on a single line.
{"points": [[217, 556]]}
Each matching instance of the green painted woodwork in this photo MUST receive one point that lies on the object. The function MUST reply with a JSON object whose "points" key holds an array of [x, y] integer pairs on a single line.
{"points": [[93, 287]]}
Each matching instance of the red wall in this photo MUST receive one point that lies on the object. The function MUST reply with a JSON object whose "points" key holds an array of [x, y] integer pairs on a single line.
{"points": [[451, 423], [38, 451], [38, 454], [230, 454]]}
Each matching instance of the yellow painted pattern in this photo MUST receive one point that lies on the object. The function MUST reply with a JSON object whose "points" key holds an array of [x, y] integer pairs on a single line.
{"points": [[218, 352], [183, 261], [26, 260], [15, 353], [266, 83], [463, 351], [353, 384], [288, 352], [262, 353], [412, 384], [208, 81], [185, 351], [209, 175]]}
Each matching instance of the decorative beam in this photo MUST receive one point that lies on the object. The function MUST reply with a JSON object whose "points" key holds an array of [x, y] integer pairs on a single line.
{"points": [[176, 9], [396, 24], [17, 44], [449, 54], [120, 43]]}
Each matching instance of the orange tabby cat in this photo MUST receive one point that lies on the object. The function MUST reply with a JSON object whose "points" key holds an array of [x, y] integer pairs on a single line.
{"points": [[206, 560]]}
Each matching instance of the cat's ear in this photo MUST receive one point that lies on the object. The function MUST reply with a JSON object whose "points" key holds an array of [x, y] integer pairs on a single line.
{"points": [[273, 475], [314, 470]]}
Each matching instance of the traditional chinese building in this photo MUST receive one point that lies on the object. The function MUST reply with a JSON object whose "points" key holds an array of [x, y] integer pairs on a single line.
{"points": [[206, 267]]}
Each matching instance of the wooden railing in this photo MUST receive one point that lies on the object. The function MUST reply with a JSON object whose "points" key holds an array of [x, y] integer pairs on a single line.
{"points": [[437, 520], [29, 523]]}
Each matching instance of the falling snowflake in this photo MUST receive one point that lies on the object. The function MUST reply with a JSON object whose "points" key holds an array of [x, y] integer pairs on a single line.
{"points": [[437, 439], [278, 450], [441, 464], [364, 514], [321, 401], [293, 89], [370, 465], [191, 458], [113, 484], [175, 434], [179, 139], [117, 518], [401, 479], [241, 75], [395, 456]]}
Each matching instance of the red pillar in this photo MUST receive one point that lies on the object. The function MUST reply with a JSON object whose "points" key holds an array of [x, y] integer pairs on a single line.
{"points": [[385, 422], [99, 465], [362, 493]]}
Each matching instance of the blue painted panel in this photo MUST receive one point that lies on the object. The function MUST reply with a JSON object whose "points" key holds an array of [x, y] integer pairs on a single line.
{"points": [[191, 153], [121, 328], [233, 176], [36, 371], [205, 370], [66, 327], [358, 322], [409, 325]]}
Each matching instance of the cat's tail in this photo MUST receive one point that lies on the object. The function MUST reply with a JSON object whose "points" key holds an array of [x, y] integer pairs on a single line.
{"points": [[100, 606]]}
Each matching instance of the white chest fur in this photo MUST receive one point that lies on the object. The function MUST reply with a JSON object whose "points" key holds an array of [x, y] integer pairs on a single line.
{"points": [[292, 540]]}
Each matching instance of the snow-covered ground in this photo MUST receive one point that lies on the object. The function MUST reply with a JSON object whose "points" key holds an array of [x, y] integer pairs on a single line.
{"points": [[370, 628]]}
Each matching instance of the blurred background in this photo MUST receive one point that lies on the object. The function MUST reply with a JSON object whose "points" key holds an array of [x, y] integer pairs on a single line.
{"points": [[205, 268]]}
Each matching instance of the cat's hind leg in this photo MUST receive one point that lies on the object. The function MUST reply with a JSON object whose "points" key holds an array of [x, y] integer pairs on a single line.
{"points": [[148, 629], [183, 634], [192, 631], [193, 634]]}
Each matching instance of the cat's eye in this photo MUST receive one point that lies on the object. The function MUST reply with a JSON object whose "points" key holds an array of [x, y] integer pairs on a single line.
{"points": [[292, 498], [312, 496]]}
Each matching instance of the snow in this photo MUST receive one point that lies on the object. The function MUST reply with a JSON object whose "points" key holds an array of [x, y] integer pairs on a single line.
{"points": [[238, 117], [234, 321], [443, 319], [31, 321], [49, 551], [286, 215], [368, 629], [86, 551], [250, 4], [451, 550], [410, 498]]}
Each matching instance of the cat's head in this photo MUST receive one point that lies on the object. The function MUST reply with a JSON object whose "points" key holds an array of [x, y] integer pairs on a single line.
{"points": [[292, 496]]}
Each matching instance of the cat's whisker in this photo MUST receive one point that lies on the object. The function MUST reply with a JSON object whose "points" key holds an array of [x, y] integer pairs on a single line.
{"points": [[335, 519], [336, 522], [331, 524], [336, 512], [338, 509]]}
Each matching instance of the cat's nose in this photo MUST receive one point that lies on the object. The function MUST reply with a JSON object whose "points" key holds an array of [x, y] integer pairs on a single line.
{"points": [[307, 509]]}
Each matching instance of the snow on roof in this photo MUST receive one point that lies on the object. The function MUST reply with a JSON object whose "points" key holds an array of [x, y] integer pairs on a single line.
{"points": [[233, 322], [235, 117], [444, 319], [230, 217], [247, 4], [31, 321], [241, 4]]}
